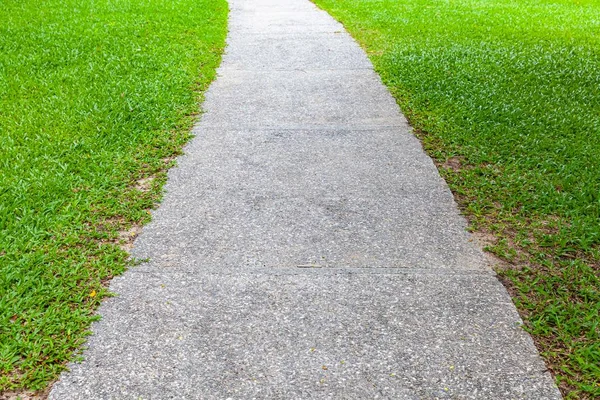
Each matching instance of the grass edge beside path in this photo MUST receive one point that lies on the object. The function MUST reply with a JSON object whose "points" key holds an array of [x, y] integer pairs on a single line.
{"points": [[504, 95], [96, 100]]}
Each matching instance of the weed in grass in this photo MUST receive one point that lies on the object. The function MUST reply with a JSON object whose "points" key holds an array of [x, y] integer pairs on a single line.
{"points": [[505, 95], [95, 98]]}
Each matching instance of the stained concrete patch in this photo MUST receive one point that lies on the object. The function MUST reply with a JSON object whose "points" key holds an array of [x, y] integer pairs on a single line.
{"points": [[306, 248]]}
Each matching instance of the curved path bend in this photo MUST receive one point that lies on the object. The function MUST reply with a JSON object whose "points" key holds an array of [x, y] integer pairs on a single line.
{"points": [[306, 248]]}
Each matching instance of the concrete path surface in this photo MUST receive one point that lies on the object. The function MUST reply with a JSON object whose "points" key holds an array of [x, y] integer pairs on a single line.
{"points": [[306, 248]]}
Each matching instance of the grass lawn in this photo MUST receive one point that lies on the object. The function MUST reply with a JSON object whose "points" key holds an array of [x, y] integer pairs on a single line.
{"points": [[96, 97], [505, 95]]}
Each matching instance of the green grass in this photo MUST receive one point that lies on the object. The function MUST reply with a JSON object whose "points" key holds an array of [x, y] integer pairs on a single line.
{"points": [[505, 95], [95, 95]]}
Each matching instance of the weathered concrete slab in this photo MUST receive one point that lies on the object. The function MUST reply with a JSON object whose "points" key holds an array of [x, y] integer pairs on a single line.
{"points": [[273, 20], [300, 100], [333, 198], [306, 248], [306, 335], [295, 52], [261, 7], [339, 335]]}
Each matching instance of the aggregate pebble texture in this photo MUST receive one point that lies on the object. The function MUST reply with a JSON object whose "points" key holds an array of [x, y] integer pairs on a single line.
{"points": [[306, 248]]}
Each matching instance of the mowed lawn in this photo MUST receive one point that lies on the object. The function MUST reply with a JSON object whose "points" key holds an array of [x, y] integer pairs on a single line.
{"points": [[96, 97], [505, 95]]}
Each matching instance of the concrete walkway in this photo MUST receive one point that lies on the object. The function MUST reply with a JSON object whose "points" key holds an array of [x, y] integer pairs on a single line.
{"points": [[306, 248]]}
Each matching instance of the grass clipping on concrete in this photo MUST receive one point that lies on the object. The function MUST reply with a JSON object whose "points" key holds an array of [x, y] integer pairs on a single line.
{"points": [[505, 95], [96, 98]]}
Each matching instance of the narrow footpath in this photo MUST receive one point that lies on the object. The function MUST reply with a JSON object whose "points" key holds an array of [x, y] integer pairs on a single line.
{"points": [[306, 248]]}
